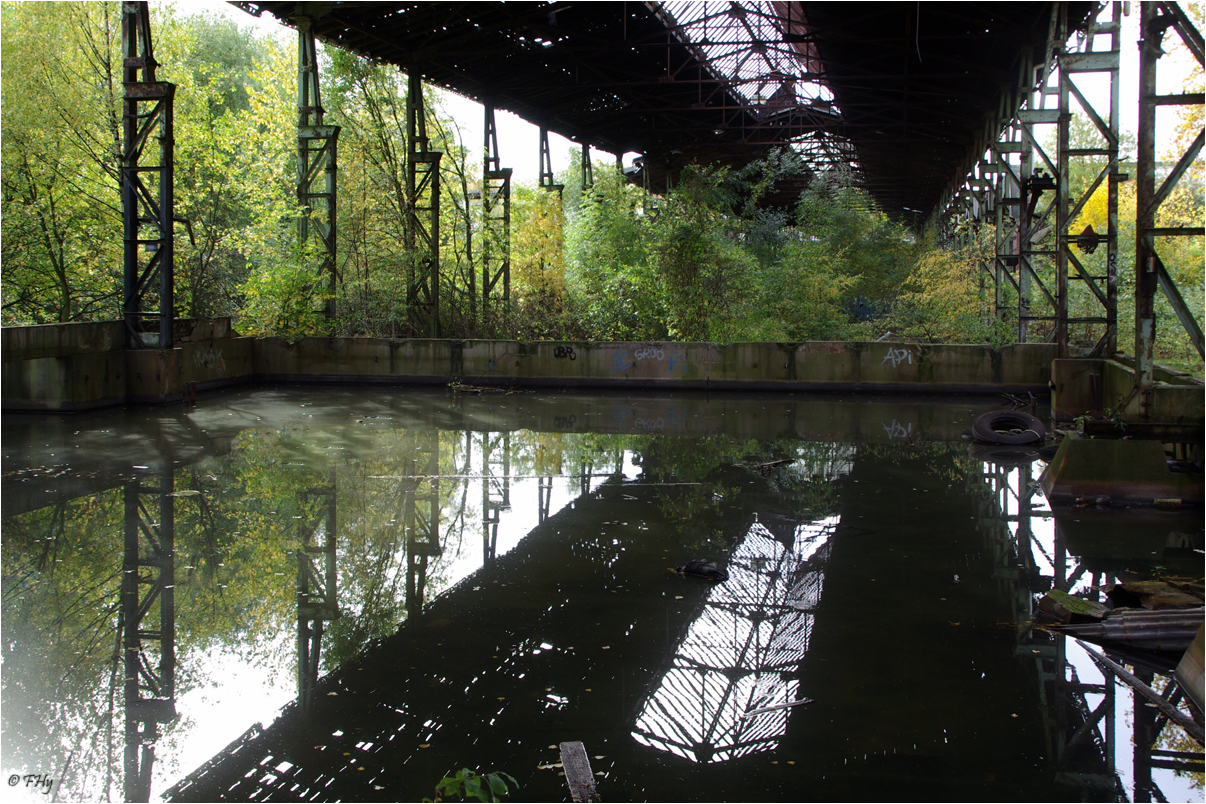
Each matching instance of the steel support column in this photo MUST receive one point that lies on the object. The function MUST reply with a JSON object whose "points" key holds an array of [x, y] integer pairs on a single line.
{"points": [[588, 170], [1150, 274], [147, 200], [317, 589], [547, 178], [149, 625], [317, 148], [423, 222], [496, 226], [1093, 310]]}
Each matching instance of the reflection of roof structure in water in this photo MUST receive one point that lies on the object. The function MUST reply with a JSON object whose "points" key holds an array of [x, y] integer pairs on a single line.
{"points": [[737, 655]]}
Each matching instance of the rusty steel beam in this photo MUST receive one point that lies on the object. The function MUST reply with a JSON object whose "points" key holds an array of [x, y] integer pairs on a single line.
{"points": [[1150, 275], [496, 226], [422, 234], [147, 190], [317, 151]]}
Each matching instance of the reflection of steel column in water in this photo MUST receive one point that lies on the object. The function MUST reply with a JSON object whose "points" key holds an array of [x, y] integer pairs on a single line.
{"points": [[150, 689], [496, 489], [544, 491], [317, 590], [421, 514], [1008, 492], [753, 631], [585, 470], [1144, 720]]}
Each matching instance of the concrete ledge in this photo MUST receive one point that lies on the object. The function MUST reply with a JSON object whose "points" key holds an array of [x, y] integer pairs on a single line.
{"points": [[50, 369], [1093, 386], [1125, 471], [84, 366], [61, 340], [813, 366]]}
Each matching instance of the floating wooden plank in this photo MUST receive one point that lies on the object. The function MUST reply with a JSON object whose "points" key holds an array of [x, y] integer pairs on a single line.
{"points": [[578, 774]]}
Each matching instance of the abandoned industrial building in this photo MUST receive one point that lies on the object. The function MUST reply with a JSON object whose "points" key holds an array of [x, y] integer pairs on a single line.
{"points": [[694, 400]]}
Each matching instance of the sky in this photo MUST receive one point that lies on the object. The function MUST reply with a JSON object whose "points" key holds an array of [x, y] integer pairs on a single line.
{"points": [[519, 142]]}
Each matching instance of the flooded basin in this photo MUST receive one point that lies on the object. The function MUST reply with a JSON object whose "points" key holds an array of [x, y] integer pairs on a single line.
{"points": [[317, 594]]}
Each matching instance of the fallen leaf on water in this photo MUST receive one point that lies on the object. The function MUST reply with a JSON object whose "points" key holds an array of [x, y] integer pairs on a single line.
{"points": [[561, 773], [588, 689], [600, 773], [791, 762], [502, 697], [558, 765], [678, 597], [552, 747], [600, 756], [425, 745]]}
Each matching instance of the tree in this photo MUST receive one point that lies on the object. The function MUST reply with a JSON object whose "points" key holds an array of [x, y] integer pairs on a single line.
{"points": [[61, 219]]}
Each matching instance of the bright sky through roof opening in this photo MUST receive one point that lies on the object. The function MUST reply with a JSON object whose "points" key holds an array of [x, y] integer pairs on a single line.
{"points": [[719, 33]]}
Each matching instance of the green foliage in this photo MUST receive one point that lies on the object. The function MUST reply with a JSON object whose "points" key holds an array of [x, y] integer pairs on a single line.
{"points": [[942, 300], [710, 259], [466, 785], [61, 219]]}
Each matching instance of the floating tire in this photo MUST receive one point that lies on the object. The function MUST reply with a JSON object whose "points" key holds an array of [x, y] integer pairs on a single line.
{"points": [[1009, 427], [1005, 454]]}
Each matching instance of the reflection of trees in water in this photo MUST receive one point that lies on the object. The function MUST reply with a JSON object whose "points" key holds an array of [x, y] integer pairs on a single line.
{"points": [[239, 522], [715, 472], [741, 653], [62, 575]]}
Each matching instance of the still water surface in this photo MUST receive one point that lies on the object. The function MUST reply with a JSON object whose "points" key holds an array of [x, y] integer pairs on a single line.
{"points": [[347, 594]]}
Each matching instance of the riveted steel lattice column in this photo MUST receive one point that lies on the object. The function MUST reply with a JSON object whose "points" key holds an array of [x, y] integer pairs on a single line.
{"points": [[547, 178], [423, 222], [496, 225], [317, 589], [588, 170], [1150, 273], [1087, 289], [548, 183], [1040, 180], [317, 148], [147, 200], [1006, 218], [420, 513], [149, 625]]}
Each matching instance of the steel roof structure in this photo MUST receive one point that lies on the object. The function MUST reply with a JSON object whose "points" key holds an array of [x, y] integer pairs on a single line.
{"points": [[896, 91]]}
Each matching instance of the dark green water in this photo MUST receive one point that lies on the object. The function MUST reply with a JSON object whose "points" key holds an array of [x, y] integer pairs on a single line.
{"points": [[499, 566]]}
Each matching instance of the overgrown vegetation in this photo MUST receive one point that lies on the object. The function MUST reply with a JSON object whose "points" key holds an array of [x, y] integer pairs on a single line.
{"points": [[708, 260]]}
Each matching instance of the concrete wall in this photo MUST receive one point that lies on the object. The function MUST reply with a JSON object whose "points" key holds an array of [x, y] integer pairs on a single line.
{"points": [[843, 366], [75, 366], [82, 366], [1093, 386]]}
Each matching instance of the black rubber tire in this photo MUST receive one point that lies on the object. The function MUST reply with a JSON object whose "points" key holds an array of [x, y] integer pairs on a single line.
{"points": [[1005, 454], [994, 428]]}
